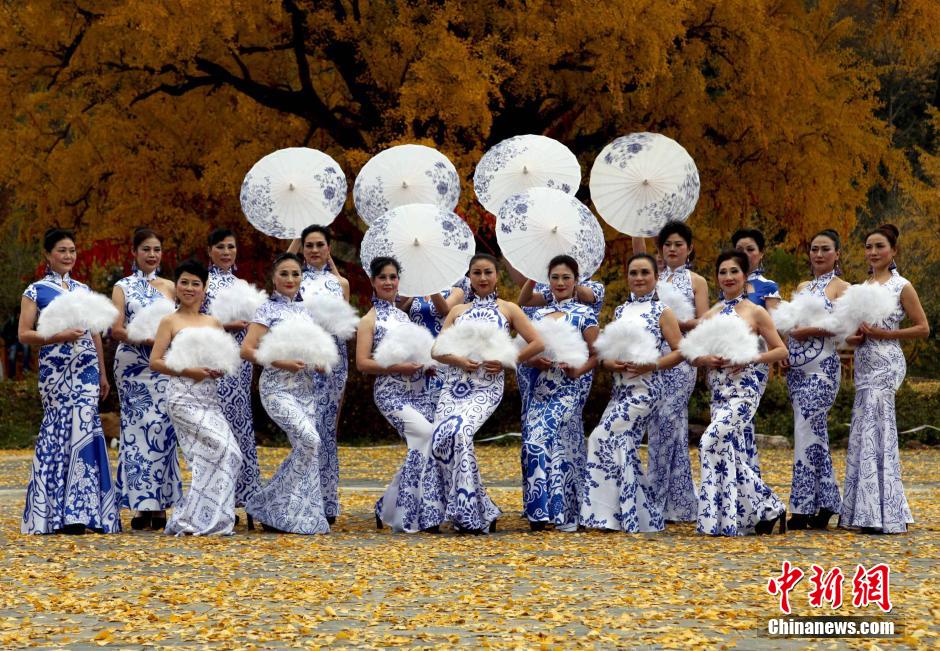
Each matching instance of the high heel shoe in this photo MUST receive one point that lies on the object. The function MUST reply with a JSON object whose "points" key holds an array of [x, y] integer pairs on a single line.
{"points": [[331, 520], [77, 529], [270, 529], [142, 520], [800, 521], [158, 521], [493, 526], [378, 522], [251, 522], [766, 527], [537, 526], [435, 529], [821, 519]]}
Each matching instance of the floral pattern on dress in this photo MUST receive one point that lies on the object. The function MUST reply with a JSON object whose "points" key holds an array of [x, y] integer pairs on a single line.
{"points": [[414, 500], [617, 494], [235, 398], [813, 381], [70, 479], [148, 473], [873, 494]]}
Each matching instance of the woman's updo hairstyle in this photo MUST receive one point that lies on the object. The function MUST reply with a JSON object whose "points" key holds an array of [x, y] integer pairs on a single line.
{"points": [[566, 260], [832, 235], [316, 228], [752, 233], [219, 234], [143, 234], [193, 267], [643, 256], [890, 233], [379, 263], [284, 257], [733, 254], [483, 256], [55, 235]]}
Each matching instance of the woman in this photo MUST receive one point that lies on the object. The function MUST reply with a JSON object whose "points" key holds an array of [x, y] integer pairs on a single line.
{"points": [[148, 474], [617, 496], [292, 501], [553, 450], [765, 293], [733, 500], [402, 394], [813, 380], [534, 296], [69, 486], [873, 495], [234, 390], [670, 468], [205, 437], [322, 277], [470, 394]]}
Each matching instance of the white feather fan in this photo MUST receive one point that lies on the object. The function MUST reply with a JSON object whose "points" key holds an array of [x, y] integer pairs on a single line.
{"points": [[675, 300], [78, 309], [479, 341], [204, 347], [865, 303], [723, 335], [405, 342], [563, 343], [145, 323], [237, 302], [298, 337], [333, 314], [804, 311], [627, 340]]}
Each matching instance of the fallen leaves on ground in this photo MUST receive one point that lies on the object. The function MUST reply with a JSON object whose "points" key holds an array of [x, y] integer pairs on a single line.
{"points": [[359, 587]]}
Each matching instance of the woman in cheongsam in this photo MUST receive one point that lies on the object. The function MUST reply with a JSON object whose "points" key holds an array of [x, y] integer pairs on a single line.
{"points": [[70, 487], [553, 446], [148, 473], [873, 497], [813, 380], [403, 392], [733, 500], [471, 392], [234, 390]]}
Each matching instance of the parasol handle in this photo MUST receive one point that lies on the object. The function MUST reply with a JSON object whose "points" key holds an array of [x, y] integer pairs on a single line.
{"points": [[416, 242], [404, 185], [525, 169], [290, 186]]}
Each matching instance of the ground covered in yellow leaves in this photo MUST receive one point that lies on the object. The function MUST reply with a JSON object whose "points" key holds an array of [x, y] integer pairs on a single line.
{"points": [[359, 587]]}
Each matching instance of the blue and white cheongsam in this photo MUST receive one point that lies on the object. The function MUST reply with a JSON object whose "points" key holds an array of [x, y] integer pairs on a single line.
{"points": [[212, 454], [873, 495], [813, 381], [235, 398], [617, 495], [670, 469], [466, 401], [414, 500], [293, 499], [70, 479], [148, 471], [525, 374], [732, 497], [553, 447], [759, 289], [329, 389]]}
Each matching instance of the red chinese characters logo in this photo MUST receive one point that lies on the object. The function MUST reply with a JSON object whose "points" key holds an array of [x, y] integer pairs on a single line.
{"points": [[782, 584], [869, 586]]}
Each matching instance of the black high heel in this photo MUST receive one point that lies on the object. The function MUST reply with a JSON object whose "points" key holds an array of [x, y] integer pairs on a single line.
{"points": [[800, 521], [821, 519], [158, 522], [537, 526], [435, 529], [141, 521], [251, 522], [872, 531], [77, 529], [331, 520], [270, 529], [493, 526], [766, 527], [378, 522]]}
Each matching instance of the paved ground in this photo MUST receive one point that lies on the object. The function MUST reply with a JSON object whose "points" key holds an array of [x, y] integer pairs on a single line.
{"points": [[359, 587]]}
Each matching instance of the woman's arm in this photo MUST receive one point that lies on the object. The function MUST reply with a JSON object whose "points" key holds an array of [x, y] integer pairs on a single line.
{"points": [[776, 349], [119, 328], [521, 324], [700, 297], [250, 343], [590, 336], [915, 312], [294, 246], [26, 328], [528, 298], [582, 294], [103, 384], [440, 304], [454, 299]]}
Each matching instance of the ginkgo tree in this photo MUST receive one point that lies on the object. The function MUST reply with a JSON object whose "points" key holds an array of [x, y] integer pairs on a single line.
{"points": [[127, 112]]}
